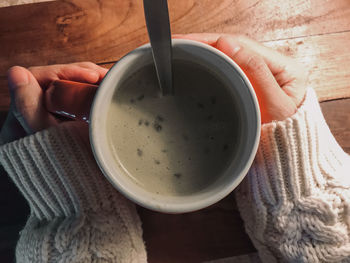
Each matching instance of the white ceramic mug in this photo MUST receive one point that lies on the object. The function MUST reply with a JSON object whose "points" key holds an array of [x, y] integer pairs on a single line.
{"points": [[232, 77]]}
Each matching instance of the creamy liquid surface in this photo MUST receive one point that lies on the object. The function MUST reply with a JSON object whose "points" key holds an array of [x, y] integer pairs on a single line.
{"points": [[173, 145]]}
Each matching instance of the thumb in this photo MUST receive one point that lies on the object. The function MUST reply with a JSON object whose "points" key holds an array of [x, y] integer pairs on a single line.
{"points": [[27, 100]]}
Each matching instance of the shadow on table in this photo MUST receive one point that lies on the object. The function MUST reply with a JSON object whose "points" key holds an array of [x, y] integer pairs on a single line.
{"points": [[14, 212]]}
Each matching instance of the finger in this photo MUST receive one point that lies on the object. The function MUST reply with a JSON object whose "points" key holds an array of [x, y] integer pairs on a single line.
{"points": [[89, 65], [273, 101], [46, 74], [207, 38], [275, 61], [27, 98]]}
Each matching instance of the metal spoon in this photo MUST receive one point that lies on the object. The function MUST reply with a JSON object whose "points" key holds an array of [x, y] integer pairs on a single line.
{"points": [[158, 27]]}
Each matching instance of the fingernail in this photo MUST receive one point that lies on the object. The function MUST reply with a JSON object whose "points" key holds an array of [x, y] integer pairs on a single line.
{"points": [[95, 74], [228, 45], [235, 46], [177, 35], [235, 50]]}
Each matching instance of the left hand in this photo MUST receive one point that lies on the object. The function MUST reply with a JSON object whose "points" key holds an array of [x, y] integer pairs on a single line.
{"points": [[279, 81], [27, 112]]}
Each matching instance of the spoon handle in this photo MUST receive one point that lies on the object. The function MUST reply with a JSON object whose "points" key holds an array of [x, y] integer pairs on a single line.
{"points": [[158, 26]]}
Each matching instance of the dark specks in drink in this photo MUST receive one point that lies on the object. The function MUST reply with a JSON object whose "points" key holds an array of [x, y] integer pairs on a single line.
{"points": [[147, 123], [200, 105], [132, 101], [159, 118], [225, 147], [139, 152], [140, 122], [157, 126], [211, 137], [177, 175], [157, 162], [164, 151], [206, 150], [141, 97]]}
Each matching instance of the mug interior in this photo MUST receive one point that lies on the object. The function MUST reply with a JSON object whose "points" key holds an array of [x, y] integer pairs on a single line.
{"points": [[243, 97]]}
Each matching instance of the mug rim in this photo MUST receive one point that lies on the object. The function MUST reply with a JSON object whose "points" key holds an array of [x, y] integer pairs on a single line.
{"points": [[162, 206]]}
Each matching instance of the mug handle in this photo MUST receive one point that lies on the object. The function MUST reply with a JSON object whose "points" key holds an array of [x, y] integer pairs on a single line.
{"points": [[70, 99]]}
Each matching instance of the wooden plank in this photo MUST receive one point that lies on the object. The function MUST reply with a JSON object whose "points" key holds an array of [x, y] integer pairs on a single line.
{"points": [[5, 3], [107, 64], [337, 115], [211, 233], [4, 94], [326, 58], [100, 31]]}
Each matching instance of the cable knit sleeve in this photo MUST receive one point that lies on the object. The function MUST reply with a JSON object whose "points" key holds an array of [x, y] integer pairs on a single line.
{"points": [[76, 215], [295, 199]]}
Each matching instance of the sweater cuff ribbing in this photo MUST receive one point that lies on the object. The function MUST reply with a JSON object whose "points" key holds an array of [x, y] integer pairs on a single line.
{"points": [[299, 155], [57, 174]]}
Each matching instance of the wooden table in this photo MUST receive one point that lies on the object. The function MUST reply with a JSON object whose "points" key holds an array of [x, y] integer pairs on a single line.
{"points": [[315, 32]]}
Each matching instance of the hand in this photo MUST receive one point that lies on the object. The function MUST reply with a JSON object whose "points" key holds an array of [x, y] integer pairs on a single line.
{"points": [[27, 113], [279, 82]]}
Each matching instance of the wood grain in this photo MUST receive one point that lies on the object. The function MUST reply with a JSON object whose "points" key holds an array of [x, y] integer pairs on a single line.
{"points": [[326, 58], [337, 115], [4, 94], [101, 31], [211, 233]]}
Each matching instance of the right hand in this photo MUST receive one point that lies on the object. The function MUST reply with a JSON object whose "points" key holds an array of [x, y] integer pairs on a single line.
{"points": [[27, 112], [279, 82]]}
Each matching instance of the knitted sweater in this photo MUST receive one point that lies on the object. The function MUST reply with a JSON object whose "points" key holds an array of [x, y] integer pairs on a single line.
{"points": [[294, 200]]}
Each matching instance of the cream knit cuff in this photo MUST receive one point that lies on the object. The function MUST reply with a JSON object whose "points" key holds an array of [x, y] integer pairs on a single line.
{"points": [[57, 174], [295, 199]]}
